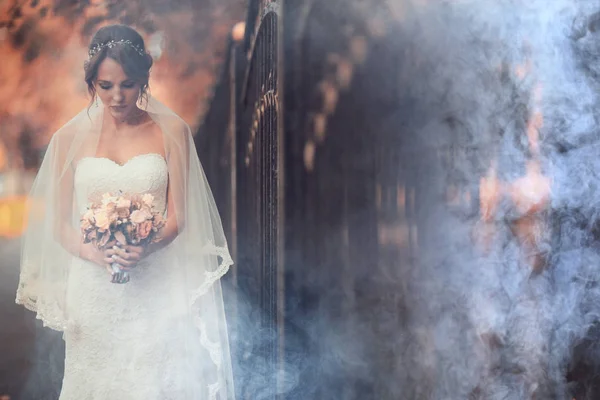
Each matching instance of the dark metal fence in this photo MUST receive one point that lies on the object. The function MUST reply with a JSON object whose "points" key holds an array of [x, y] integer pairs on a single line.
{"points": [[258, 163], [259, 185], [240, 144]]}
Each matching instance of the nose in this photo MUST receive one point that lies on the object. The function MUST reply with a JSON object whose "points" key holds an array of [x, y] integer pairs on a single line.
{"points": [[117, 95]]}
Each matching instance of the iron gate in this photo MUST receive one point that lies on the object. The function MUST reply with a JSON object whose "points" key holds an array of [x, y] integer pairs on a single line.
{"points": [[243, 139]]}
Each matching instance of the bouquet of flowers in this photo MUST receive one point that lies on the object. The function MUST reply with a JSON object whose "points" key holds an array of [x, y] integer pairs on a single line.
{"points": [[129, 220]]}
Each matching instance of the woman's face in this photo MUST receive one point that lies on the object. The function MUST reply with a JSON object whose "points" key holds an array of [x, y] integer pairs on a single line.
{"points": [[118, 92]]}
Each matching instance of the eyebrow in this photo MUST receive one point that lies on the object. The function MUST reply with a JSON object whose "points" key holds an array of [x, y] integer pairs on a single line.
{"points": [[109, 82]]}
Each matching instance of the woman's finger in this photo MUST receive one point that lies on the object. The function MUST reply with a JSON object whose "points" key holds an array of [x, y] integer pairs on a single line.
{"points": [[134, 249], [127, 255], [115, 251], [122, 262], [109, 260], [119, 260]]}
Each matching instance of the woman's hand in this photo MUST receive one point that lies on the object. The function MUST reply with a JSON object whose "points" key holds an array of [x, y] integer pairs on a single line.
{"points": [[126, 256]]}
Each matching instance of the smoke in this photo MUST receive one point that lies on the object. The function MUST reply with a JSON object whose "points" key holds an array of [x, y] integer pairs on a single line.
{"points": [[498, 319], [497, 101]]}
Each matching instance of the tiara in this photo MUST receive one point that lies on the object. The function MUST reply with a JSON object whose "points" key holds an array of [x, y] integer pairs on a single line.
{"points": [[112, 43]]}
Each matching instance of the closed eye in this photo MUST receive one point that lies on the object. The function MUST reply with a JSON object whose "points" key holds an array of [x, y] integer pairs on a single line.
{"points": [[125, 85]]}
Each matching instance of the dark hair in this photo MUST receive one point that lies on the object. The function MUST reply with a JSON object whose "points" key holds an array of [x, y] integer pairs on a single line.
{"points": [[135, 65]]}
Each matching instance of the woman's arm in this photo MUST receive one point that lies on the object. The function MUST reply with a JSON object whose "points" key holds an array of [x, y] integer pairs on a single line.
{"points": [[171, 229]]}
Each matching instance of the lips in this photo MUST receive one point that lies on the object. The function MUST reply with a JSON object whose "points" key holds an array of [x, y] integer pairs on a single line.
{"points": [[118, 108]]}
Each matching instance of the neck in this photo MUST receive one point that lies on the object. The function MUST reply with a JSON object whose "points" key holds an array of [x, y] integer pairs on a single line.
{"points": [[132, 119]]}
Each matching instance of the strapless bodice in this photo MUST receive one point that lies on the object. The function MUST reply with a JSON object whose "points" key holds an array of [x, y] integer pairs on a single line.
{"points": [[144, 173]]}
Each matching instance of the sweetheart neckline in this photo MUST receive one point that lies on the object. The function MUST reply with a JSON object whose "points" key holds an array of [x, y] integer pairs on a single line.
{"points": [[126, 162]]}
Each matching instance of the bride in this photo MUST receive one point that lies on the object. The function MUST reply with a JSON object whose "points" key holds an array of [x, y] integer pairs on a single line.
{"points": [[160, 333]]}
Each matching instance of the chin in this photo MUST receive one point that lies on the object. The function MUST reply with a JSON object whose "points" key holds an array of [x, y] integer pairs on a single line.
{"points": [[121, 113]]}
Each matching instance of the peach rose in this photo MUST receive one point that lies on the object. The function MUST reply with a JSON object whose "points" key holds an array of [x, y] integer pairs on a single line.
{"points": [[87, 220], [123, 208], [139, 216], [102, 220], [144, 229], [148, 199], [113, 216]]}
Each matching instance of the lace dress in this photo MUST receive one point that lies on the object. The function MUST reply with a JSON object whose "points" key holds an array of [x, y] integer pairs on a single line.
{"points": [[127, 341]]}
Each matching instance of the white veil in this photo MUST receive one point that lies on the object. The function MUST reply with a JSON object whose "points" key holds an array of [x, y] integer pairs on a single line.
{"points": [[198, 255]]}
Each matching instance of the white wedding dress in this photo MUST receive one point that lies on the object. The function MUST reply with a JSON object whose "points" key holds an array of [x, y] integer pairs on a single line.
{"points": [[128, 341]]}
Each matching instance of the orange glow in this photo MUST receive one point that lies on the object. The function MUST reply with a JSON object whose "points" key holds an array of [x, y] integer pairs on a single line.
{"points": [[522, 70], [12, 216], [490, 189], [530, 194]]}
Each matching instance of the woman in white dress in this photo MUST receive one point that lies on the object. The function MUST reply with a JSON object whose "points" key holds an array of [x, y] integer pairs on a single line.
{"points": [[161, 333]]}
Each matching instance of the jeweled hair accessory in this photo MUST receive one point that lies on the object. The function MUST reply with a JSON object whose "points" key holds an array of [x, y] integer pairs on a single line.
{"points": [[112, 43]]}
